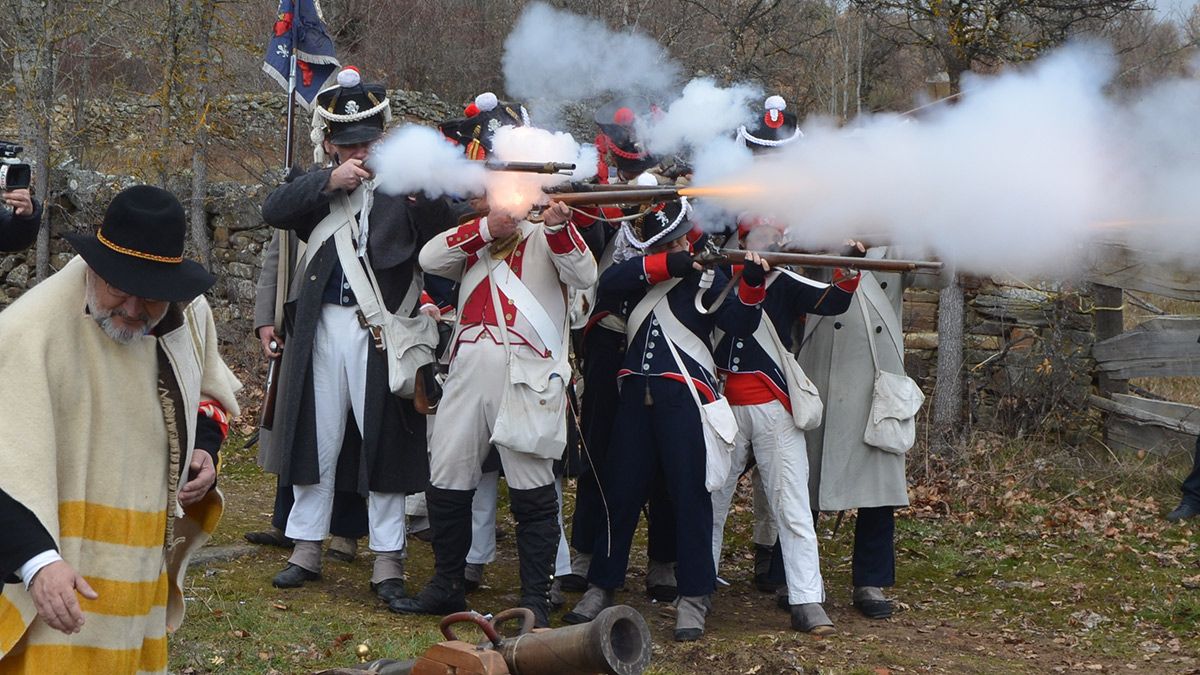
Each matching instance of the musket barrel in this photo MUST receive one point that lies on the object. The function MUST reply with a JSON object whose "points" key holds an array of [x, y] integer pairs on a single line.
{"points": [[529, 167], [599, 198], [816, 260]]}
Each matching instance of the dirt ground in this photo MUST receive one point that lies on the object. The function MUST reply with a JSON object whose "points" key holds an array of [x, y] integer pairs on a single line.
{"points": [[1051, 580]]}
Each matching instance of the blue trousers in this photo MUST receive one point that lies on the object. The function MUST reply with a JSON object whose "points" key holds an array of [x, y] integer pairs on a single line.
{"points": [[664, 437], [603, 352], [874, 560]]}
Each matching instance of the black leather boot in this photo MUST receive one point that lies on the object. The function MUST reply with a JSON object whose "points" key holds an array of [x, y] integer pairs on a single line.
{"points": [[450, 521], [536, 513]]}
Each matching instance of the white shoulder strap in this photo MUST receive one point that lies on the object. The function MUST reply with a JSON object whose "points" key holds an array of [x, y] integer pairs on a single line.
{"points": [[528, 305], [644, 307]]}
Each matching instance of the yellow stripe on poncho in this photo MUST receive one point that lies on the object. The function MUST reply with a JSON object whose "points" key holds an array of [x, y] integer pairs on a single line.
{"points": [[84, 444]]}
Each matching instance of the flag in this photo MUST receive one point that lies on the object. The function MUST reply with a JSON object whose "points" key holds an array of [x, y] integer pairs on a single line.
{"points": [[299, 22]]}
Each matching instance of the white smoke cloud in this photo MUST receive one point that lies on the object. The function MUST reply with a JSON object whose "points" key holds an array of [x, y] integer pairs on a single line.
{"points": [[414, 158], [553, 57], [515, 192], [1019, 177], [704, 112]]}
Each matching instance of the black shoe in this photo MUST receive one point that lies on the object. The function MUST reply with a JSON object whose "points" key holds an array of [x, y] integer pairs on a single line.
{"points": [[389, 590], [437, 598], [271, 537], [869, 600], [1184, 511], [688, 634], [340, 556], [294, 576], [572, 583]]}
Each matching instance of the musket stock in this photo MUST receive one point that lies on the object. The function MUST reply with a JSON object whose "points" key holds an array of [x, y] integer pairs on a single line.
{"points": [[727, 255]]}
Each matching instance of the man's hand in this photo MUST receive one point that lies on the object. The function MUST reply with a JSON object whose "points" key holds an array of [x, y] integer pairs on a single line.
{"points": [[20, 201], [856, 248], [201, 476], [556, 214], [267, 335], [501, 227], [431, 311], [347, 176], [53, 590], [754, 271]]}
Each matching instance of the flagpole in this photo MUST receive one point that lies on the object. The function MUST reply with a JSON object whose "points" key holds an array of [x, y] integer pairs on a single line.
{"points": [[283, 276], [291, 107]]}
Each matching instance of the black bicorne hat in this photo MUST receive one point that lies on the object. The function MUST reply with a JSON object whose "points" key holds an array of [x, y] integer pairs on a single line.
{"points": [[774, 129], [481, 118], [352, 111], [618, 138], [139, 247]]}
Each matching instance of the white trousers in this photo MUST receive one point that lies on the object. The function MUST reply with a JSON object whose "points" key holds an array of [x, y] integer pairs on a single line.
{"points": [[459, 444], [483, 525], [339, 367], [768, 432]]}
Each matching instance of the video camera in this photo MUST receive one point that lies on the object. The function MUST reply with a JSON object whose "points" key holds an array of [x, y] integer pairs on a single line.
{"points": [[14, 174]]}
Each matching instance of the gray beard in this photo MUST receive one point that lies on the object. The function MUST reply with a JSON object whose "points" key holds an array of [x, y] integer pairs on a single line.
{"points": [[104, 319]]}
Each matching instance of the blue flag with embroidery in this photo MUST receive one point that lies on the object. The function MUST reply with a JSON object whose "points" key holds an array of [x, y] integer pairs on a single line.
{"points": [[299, 24]]}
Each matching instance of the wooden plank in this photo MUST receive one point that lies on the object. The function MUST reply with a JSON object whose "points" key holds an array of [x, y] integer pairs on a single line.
{"points": [[1145, 412], [1114, 264], [1123, 436], [1164, 346]]}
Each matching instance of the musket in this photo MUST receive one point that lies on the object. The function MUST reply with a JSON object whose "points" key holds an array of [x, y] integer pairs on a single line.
{"points": [[728, 255], [270, 390], [616, 194], [529, 167]]}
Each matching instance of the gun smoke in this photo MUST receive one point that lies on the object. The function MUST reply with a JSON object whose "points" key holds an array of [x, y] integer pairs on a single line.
{"points": [[415, 158], [1020, 177], [553, 57]]}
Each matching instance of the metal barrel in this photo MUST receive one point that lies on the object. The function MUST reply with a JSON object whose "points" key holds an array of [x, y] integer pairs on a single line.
{"points": [[617, 642]]}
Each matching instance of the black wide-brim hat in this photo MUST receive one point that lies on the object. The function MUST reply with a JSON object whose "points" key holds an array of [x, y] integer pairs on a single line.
{"points": [[138, 248]]}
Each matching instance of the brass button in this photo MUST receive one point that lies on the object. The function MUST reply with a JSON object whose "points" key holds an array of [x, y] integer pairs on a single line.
{"points": [[508, 317]]}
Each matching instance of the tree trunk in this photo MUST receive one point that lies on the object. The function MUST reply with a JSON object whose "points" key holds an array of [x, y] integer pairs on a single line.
{"points": [[33, 74], [201, 23], [947, 390]]}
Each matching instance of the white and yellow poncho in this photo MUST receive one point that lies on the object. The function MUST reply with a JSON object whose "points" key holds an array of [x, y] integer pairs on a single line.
{"points": [[90, 435]]}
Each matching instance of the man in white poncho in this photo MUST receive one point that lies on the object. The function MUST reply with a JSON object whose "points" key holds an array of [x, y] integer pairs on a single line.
{"points": [[115, 402]]}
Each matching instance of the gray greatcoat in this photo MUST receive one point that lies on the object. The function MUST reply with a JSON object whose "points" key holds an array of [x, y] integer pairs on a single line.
{"points": [[844, 472], [393, 456]]}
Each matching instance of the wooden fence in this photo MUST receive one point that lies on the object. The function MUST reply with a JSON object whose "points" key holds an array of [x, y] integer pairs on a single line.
{"points": [[1162, 346]]}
